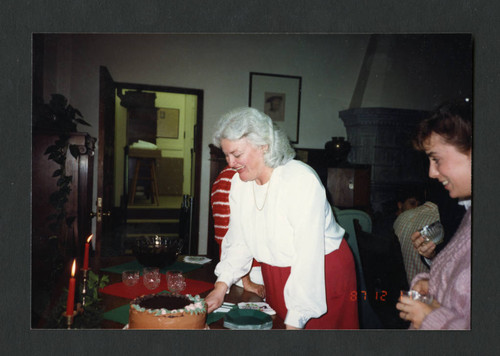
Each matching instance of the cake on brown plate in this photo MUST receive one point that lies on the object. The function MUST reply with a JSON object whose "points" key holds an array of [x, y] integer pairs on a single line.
{"points": [[167, 311]]}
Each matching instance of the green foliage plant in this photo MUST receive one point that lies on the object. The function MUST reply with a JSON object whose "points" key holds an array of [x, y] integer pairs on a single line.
{"points": [[89, 316], [59, 116]]}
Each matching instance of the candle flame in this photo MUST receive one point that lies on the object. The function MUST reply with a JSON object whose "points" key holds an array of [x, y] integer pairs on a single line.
{"points": [[89, 238], [73, 268]]}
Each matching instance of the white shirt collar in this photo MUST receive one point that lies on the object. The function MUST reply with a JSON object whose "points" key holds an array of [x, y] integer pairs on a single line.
{"points": [[465, 203]]}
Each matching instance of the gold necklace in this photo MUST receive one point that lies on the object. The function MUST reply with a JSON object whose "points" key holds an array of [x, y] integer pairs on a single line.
{"points": [[265, 198]]}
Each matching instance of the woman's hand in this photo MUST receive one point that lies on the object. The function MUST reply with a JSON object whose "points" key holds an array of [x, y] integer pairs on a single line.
{"points": [[415, 311], [426, 249], [289, 327], [216, 297], [422, 286], [250, 286]]}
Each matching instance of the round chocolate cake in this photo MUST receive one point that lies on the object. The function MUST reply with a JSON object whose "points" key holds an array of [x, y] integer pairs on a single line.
{"points": [[167, 311]]}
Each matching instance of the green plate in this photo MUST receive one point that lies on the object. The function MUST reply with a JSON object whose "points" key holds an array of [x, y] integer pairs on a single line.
{"points": [[247, 319]]}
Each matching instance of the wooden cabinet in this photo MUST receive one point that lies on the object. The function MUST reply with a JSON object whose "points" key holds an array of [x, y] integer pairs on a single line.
{"points": [[71, 237], [349, 187], [53, 249]]}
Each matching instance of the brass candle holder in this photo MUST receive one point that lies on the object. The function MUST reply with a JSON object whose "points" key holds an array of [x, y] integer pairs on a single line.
{"points": [[69, 321], [84, 288]]}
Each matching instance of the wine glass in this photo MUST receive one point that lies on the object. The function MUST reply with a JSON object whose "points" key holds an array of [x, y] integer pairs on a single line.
{"points": [[151, 277], [433, 232], [176, 281], [130, 278], [413, 294]]}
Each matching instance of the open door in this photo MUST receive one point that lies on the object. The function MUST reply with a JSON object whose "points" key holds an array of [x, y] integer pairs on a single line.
{"points": [[105, 166], [108, 217]]}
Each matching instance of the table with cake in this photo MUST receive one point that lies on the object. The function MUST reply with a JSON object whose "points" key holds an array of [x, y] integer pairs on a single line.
{"points": [[136, 307]]}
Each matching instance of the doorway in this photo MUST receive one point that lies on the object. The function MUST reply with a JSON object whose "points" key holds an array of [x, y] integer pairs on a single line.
{"points": [[178, 137]]}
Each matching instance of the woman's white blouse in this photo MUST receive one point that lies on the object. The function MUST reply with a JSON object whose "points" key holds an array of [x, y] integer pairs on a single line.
{"points": [[295, 228]]}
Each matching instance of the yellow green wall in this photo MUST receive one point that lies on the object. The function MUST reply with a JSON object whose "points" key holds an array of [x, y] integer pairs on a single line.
{"points": [[174, 148]]}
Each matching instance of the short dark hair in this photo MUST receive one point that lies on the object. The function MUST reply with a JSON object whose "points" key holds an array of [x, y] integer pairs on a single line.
{"points": [[406, 193], [452, 121]]}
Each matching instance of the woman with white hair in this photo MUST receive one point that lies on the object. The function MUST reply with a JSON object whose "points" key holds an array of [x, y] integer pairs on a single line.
{"points": [[280, 216]]}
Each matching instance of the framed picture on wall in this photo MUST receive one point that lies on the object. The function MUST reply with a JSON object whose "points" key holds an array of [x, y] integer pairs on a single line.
{"points": [[167, 123], [278, 96]]}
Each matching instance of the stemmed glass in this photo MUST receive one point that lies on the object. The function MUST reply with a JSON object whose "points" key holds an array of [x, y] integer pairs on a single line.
{"points": [[151, 277], [130, 278], [433, 232], [176, 281]]}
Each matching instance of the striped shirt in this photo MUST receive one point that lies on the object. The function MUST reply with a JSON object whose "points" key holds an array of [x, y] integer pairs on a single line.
{"points": [[220, 202]]}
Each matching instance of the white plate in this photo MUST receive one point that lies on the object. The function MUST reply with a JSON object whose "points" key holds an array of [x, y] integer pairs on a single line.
{"points": [[197, 259], [261, 306]]}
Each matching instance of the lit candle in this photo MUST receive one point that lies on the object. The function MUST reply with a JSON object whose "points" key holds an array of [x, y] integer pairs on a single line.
{"points": [[70, 305], [86, 256]]}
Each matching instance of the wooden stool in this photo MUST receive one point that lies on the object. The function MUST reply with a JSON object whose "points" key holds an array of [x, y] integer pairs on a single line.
{"points": [[151, 177]]}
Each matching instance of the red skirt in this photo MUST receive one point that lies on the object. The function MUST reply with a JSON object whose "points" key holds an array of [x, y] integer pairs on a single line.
{"points": [[340, 278]]}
